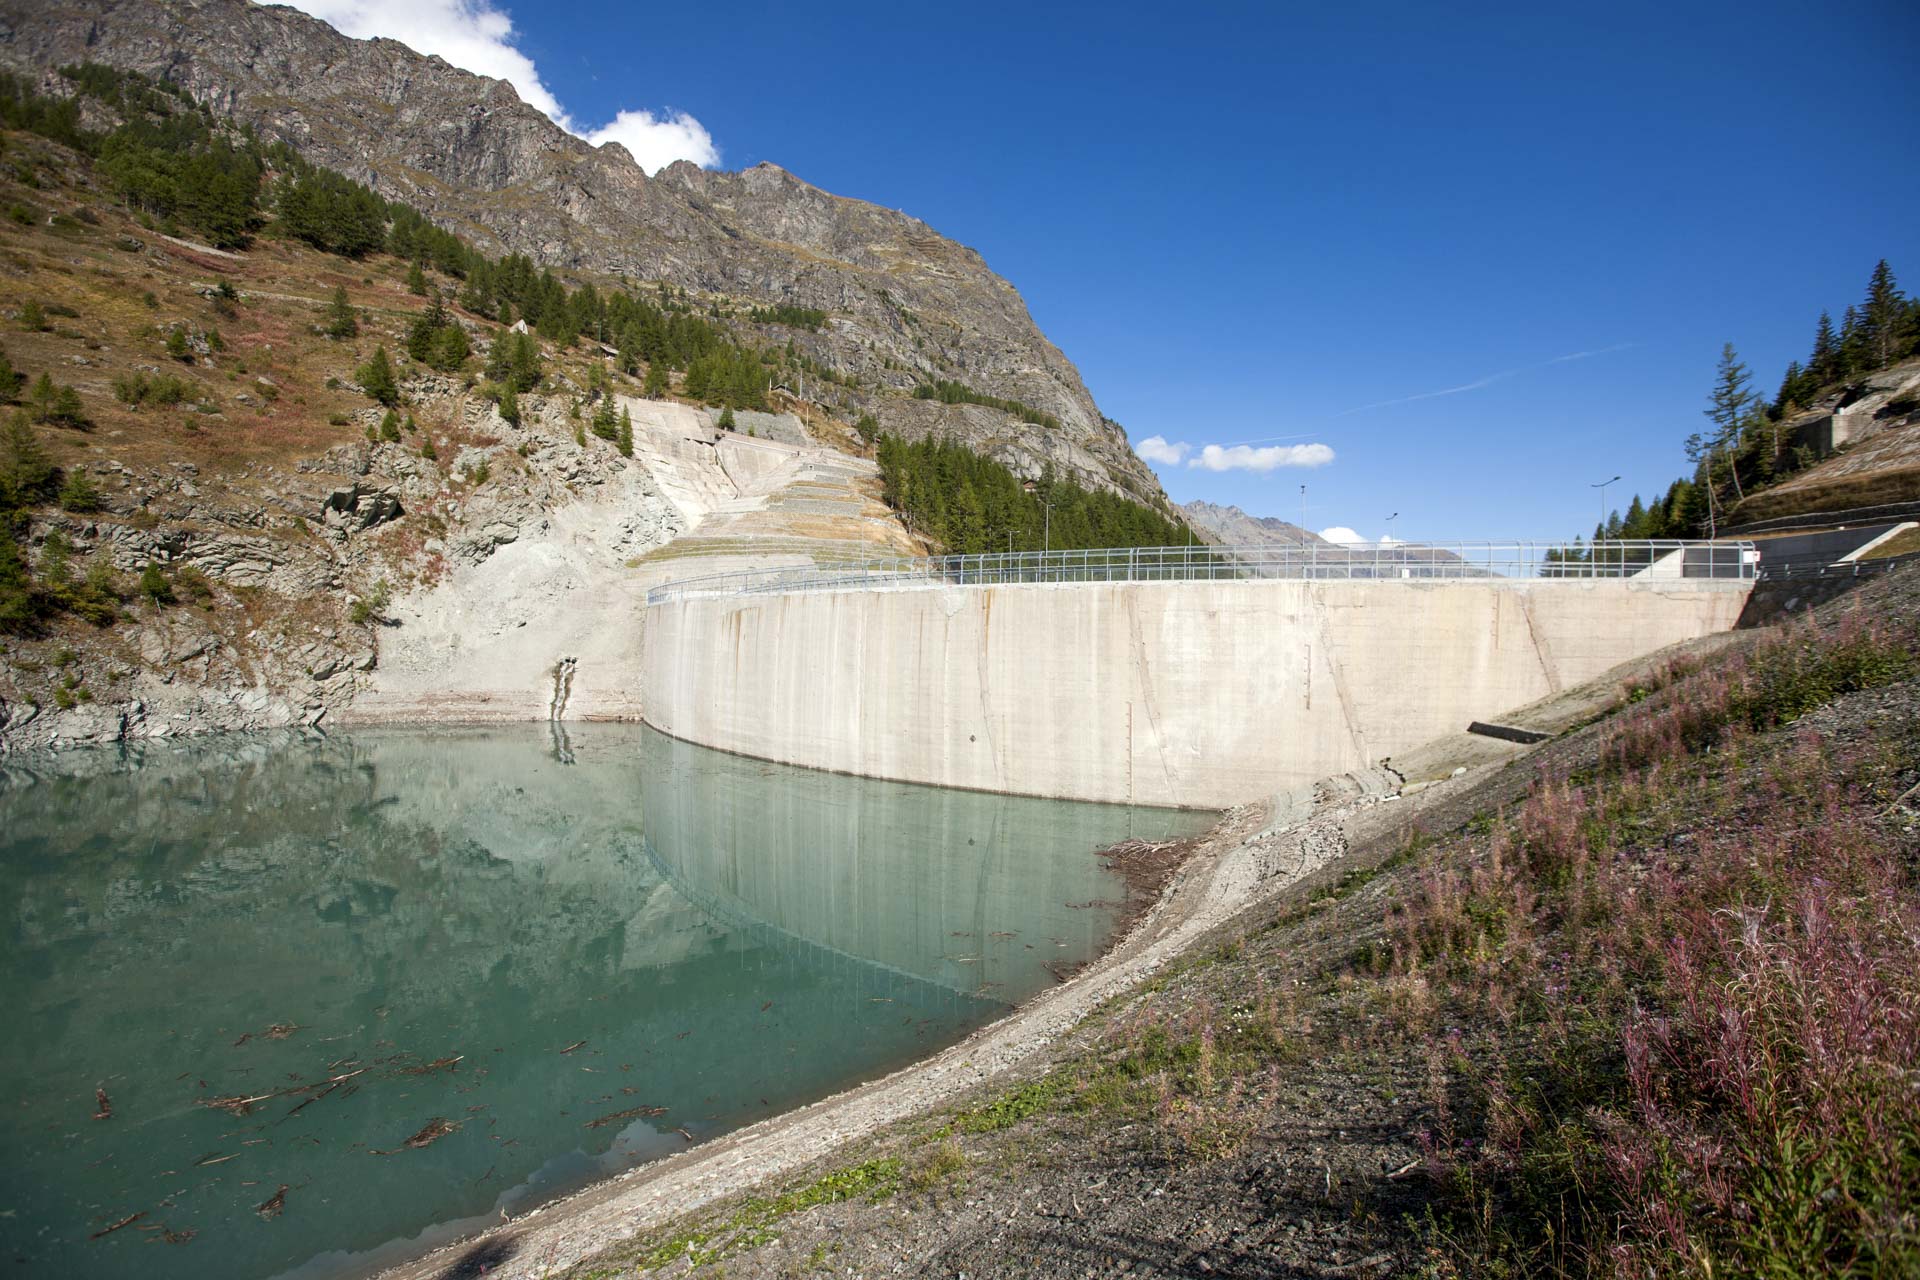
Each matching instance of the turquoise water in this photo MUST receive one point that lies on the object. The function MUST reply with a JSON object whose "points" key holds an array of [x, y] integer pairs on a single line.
{"points": [[418, 978]]}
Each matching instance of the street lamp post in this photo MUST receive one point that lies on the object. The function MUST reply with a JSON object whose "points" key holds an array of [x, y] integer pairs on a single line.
{"points": [[1390, 520], [1601, 531]]}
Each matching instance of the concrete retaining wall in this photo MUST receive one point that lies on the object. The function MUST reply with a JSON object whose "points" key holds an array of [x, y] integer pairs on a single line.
{"points": [[1187, 693]]}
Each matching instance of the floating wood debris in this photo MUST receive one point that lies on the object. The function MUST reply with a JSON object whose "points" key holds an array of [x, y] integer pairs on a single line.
{"points": [[129, 1220], [628, 1114], [103, 1108], [430, 1132], [274, 1204]]}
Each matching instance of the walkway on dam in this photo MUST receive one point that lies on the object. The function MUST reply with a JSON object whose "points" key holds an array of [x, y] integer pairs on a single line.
{"points": [[1674, 560]]}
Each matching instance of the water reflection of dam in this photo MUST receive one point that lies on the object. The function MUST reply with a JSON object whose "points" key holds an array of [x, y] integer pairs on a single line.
{"points": [[980, 893], [540, 947]]}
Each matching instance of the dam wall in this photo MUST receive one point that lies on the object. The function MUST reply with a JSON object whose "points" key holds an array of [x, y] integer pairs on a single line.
{"points": [[1186, 693]]}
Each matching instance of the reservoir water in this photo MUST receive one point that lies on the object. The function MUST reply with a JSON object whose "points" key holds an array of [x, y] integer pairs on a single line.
{"points": [[281, 1006]]}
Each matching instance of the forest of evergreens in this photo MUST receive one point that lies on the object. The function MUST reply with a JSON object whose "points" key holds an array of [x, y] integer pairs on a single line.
{"points": [[970, 504]]}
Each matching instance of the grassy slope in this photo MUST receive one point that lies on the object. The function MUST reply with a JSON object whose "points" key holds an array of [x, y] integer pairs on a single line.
{"points": [[1645, 1004]]}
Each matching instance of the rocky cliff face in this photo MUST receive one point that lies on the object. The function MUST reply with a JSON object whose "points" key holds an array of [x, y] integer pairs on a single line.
{"points": [[1232, 527], [906, 303]]}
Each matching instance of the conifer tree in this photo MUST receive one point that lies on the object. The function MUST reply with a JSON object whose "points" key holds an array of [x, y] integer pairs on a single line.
{"points": [[726, 419], [1790, 386], [656, 384], [341, 321], [625, 442], [1853, 346], [1727, 407], [1883, 319], [27, 473], [10, 380], [376, 378], [1824, 364], [19, 609], [509, 405], [416, 279]]}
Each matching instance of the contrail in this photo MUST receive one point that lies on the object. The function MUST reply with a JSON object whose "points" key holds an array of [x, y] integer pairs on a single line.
{"points": [[1487, 381]]}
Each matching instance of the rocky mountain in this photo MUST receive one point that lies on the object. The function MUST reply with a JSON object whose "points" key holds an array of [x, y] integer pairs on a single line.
{"points": [[906, 305], [1232, 527]]}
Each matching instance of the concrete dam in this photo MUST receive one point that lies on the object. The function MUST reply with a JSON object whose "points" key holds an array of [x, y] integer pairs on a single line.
{"points": [[1172, 690]]}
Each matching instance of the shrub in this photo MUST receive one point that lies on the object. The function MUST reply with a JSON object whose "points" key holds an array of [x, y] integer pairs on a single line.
{"points": [[372, 607], [10, 380], [78, 493], [55, 405], [162, 390], [390, 427], [177, 345], [427, 450], [195, 585], [155, 587], [33, 317]]}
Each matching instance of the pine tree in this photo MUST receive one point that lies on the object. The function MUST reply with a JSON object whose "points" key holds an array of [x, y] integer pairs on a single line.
{"points": [[625, 442], [1883, 319], [450, 349], [390, 427], [19, 604], [1823, 366], [524, 362], [341, 321], [726, 419], [1853, 345], [509, 405], [1727, 407], [416, 279], [376, 378], [10, 380], [1790, 387], [605, 425], [78, 494], [27, 474], [656, 384], [1635, 525]]}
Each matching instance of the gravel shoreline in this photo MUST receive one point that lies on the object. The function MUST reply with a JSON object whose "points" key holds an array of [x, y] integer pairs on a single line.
{"points": [[1238, 862]]}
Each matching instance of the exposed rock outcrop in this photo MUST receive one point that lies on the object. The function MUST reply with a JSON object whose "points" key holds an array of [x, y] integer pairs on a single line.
{"points": [[907, 304]]}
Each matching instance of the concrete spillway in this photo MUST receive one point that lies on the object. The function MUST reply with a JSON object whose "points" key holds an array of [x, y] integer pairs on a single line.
{"points": [[1202, 694]]}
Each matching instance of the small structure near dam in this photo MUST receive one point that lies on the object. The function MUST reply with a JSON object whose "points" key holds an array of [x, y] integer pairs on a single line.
{"points": [[1200, 677]]}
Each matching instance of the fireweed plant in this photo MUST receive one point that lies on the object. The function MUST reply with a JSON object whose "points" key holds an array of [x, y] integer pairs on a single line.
{"points": [[1673, 1005]]}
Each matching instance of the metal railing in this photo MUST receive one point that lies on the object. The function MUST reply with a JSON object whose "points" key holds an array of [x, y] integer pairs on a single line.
{"points": [[1658, 559]]}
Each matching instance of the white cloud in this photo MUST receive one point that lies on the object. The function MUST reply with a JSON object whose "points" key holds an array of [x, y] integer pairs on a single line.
{"points": [[1241, 457], [1340, 533], [657, 141], [1156, 449], [475, 36]]}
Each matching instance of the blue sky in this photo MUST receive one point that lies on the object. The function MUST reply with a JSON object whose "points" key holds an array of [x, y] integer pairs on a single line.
{"points": [[1244, 223]]}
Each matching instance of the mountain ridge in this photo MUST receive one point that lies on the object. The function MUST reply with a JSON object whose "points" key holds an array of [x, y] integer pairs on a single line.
{"points": [[907, 305]]}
